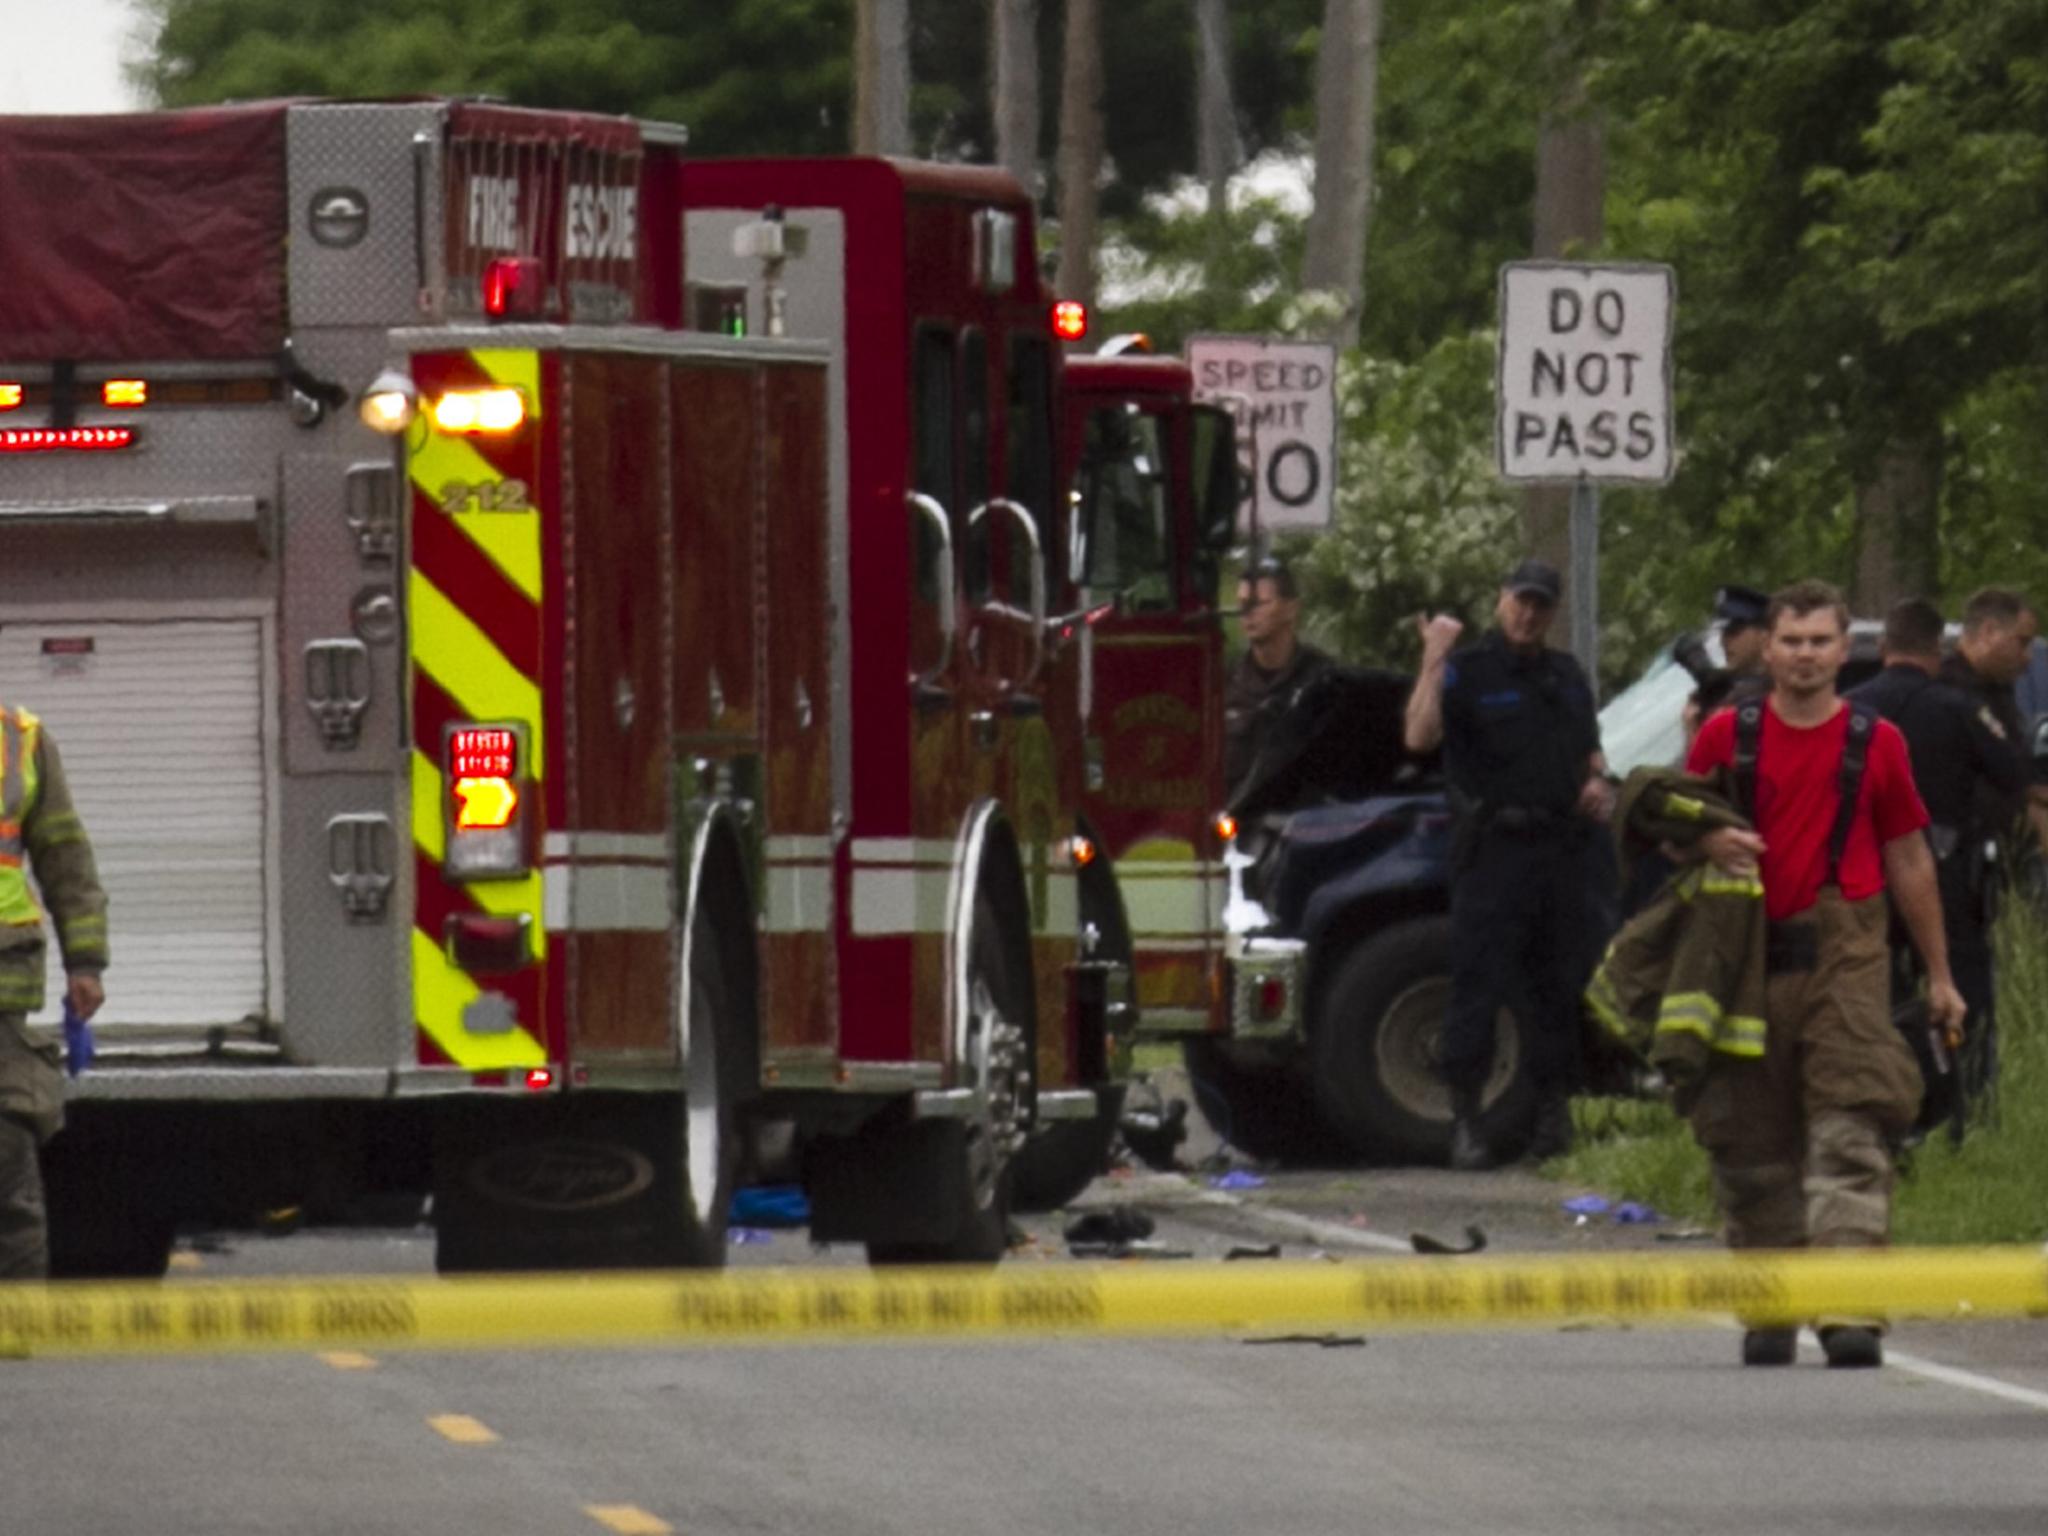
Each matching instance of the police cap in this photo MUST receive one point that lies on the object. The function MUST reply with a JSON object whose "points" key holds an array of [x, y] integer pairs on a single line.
{"points": [[1740, 607], [1535, 578]]}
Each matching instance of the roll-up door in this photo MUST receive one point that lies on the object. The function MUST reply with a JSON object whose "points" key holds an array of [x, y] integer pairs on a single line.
{"points": [[160, 726]]}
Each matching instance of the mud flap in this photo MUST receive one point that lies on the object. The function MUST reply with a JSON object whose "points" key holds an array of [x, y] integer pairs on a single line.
{"points": [[905, 1182]]}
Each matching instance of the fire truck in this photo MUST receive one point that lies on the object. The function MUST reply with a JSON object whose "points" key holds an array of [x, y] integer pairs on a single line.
{"points": [[587, 679]]}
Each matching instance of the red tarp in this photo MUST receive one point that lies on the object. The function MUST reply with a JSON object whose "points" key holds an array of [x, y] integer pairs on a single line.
{"points": [[147, 237]]}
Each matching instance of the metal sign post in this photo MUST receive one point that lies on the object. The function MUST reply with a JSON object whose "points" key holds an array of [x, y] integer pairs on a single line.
{"points": [[1584, 575]]}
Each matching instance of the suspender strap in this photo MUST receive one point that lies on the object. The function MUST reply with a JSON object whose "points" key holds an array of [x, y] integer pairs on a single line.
{"points": [[1749, 732], [1855, 755]]}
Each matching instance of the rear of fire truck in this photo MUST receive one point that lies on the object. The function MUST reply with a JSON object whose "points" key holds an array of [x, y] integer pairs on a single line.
{"points": [[470, 750]]}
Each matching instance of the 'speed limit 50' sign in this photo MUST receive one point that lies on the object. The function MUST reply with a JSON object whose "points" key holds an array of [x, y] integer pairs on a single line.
{"points": [[1584, 384], [1283, 397]]}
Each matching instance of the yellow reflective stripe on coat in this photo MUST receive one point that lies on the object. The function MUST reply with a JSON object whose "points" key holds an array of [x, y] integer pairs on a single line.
{"points": [[20, 732]]}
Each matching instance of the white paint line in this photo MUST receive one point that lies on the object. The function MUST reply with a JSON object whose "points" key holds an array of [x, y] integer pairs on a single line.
{"points": [[1330, 1234], [1970, 1381]]}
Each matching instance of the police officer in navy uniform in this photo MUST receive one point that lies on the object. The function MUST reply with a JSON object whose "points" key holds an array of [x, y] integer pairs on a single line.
{"points": [[1274, 669], [1521, 749], [1998, 631]]}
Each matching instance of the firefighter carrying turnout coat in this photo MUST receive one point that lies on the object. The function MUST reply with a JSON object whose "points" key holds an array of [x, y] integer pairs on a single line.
{"points": [[39, 832], [1683, 982]]}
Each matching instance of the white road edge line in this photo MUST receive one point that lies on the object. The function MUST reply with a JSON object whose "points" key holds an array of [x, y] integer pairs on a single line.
{"points": [[1952, 1376], [1330, 1233]]}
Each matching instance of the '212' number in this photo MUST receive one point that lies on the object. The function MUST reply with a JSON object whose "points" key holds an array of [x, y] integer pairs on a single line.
{"points": [[485, 496]]}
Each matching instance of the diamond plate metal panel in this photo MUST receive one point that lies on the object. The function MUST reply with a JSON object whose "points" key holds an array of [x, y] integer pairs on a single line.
{"points": [[360, 253], [329, 587], [346, 983]]}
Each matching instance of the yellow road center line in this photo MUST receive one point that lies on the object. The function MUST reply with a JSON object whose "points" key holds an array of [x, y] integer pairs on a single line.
{"points": [[627, 1519], [462, 1429], [348, 1360]]}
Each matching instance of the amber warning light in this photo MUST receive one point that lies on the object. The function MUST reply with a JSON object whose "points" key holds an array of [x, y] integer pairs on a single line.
{"points": [[483, 762]]}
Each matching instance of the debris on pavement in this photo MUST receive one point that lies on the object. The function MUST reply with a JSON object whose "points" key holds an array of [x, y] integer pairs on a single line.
{"points": [[1249, 1251], [742, 1237], [1138, 1248], [1630, 1213], [1587, 1205], [1237, 1178], [1475, 1240], [1687, 1235], [1118, 1224], [1326, 1340], [770, 1205], [1155, 1135]]}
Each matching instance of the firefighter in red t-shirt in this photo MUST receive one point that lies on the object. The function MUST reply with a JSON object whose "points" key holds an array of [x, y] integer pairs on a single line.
{"points": [[1799, 1136]]}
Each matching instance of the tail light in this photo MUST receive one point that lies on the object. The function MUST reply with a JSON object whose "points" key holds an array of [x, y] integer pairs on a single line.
{"points": [[489, 835]]}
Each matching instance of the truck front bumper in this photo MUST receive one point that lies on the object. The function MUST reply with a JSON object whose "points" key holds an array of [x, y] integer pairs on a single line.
{"points": [[1265, 976]]}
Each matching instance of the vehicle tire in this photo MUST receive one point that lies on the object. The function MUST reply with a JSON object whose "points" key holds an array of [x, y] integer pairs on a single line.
{"points": [[1375, 1038], [1063, 1158], [1264, 1112], [652, 1174], [968, 1161]]}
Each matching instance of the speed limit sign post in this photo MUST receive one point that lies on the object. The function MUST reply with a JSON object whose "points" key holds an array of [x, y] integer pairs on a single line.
{"points": [[1283, 396]]}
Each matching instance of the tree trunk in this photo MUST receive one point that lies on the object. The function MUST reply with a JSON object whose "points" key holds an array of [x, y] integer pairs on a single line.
{"points": [[1898, 505], [1081, 150], [1014, 109], [1218, 150], [1347, 90], [1571, 218], [881, 78]]}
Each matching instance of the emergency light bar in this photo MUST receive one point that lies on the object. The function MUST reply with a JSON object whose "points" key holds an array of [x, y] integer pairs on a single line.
{"points": [[1070, 319], [65, 439], [124, 392], [10, 396]]}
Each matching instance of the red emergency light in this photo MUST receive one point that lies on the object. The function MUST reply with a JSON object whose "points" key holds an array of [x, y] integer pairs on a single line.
{"points": [[1070, 319], [487, 816], [515, 288], [65, 439]]}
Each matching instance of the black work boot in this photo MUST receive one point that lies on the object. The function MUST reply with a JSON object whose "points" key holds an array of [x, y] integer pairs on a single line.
{"points": [[1469, 1151], [1770, 1346], [1850, 1347], [1552, 1135]]}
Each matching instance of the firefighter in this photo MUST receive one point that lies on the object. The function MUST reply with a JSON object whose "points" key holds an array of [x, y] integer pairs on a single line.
{"points": [[1273, 670], [1798, 1137], [1521, 751], [39, 831], [1966, 761]]}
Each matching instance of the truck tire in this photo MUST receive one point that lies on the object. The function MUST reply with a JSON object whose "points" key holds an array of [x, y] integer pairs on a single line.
{"points": [[964, 1166], [651, 1175], [1374, 1039], [1264, 1112], [1064, 1158]]}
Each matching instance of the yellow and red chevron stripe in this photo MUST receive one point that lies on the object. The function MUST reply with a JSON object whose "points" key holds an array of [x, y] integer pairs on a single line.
{"points": [[474, 600]]}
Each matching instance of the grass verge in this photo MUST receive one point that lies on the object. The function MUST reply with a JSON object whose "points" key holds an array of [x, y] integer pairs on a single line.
{"points": [[1991, 1189]]}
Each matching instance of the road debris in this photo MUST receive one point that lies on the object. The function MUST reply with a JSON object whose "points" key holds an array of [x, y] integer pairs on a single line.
{"points": [[1475, 1241], [1118, 1224], [1249, 1251]]}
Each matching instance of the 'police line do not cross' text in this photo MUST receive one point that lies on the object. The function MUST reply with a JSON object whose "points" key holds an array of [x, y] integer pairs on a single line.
{"points": [[1584, 385]]}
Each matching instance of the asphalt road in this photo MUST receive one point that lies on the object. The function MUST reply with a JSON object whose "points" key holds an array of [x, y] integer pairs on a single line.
{"points": [[1581, 1431]]}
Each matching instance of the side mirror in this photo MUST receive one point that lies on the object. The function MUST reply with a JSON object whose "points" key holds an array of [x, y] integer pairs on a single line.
{"points": [[1218, 483]]}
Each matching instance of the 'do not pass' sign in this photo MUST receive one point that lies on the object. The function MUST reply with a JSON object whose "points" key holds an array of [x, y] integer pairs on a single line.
{"points": [[1283, 397], [1584, 383]]}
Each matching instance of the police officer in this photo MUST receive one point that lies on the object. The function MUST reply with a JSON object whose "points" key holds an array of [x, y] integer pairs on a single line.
{"points": [[1961, 754], [1521, 749], [1741, 612], [1998, 629], [1273, 670], [39, 832]]}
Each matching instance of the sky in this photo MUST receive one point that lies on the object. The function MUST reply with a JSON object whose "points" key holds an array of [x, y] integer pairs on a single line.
{"points": [[65, 55]]}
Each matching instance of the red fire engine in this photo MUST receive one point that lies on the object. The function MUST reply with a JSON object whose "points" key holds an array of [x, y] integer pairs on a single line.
{"points": [[584, 676]]}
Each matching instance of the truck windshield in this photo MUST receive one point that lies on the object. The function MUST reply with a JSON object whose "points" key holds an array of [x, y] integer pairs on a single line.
{"points": [[1124, 505]]}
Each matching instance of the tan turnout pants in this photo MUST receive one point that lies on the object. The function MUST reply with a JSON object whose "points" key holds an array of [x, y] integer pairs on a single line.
{"points": [[1799, 1138]]}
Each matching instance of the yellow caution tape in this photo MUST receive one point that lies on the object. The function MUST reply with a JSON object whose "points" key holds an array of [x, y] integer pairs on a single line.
{"points": [[760, 1306]]}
